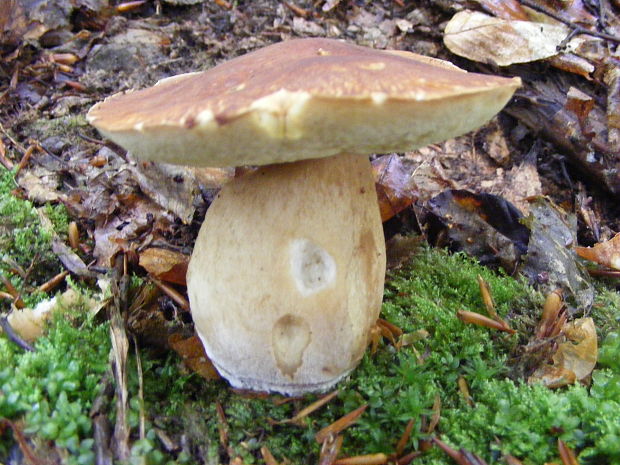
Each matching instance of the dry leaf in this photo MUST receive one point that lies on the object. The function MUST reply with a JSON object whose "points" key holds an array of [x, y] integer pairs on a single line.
{"points": [[368, 459], [604, 253], [29, 323], [580, 352], [268, 456], [393, 181], [552, 377], [612, 79], [213, 178], [483, 38], [170, 186], [165, 264], [573, 64], [522, 181], [553, 317], [572, 11], [461, 456], [118, 354], [580, 103], [574, 359], [505, 9], [330, 450], [566, 454], [193, 355], [340, 424], [330, 5], [309, 409], [481, 320]]}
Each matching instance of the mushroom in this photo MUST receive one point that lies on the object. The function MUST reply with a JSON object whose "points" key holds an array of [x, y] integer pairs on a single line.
{"points": [[286, 278]]}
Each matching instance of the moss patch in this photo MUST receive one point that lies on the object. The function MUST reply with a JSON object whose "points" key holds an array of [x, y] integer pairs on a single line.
{"points": [[53, 388], [508, 417], [25, 242]]}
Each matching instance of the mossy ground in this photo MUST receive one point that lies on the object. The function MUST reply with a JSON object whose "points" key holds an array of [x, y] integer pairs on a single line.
{"points": [[25, 243], [52, 389]]}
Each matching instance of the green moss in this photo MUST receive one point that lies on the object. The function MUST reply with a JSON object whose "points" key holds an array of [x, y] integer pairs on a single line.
{"points": [[25, 242], [509, 416], [394, 384], [53, 388]]}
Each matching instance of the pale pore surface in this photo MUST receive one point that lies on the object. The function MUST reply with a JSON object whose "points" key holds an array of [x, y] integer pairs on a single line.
{"points": [[286, 278]]}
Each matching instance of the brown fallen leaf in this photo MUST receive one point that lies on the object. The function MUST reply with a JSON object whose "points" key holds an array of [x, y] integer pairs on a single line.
{"points": [[464, 390], [268, 456], [580, 353], [612, 79], [404, 439], [553, 318], [222, 426], [481, 320], [483, 38], [165, 264], [393, 181], [389, 330], [574, 359], [436, 416], [193, 355], [461, 456], [566, 454], [573, 12], [581, 104], [303, 413], [505, 9], [29, 323], [604, 253], [330, 450], [573, 64], [368, 459], [340, 424]]}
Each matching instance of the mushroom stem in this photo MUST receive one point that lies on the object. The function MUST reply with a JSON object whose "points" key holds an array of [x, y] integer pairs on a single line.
{"points": [[286, 277]]}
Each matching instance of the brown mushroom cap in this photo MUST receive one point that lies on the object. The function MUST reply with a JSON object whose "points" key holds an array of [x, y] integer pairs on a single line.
{"points": [[305, 98]]}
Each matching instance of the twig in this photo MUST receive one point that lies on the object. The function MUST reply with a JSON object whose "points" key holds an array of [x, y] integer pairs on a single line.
{"points": [[120, 347], [303, 413], [172, 293], [10, 290], [140, 389], [53, 282], [129, 6], [340, 424], [268, 456], [577, 29], [604, 273], [296, 10], [90, 139], [21, 440], [17, 145], [25, 158]]}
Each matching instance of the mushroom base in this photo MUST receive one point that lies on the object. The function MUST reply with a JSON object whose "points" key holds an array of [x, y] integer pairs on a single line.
{"points": [[263, 385], [286, 277]]}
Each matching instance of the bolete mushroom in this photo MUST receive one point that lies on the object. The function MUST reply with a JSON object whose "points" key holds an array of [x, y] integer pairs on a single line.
{"points": [[286, 278]]}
